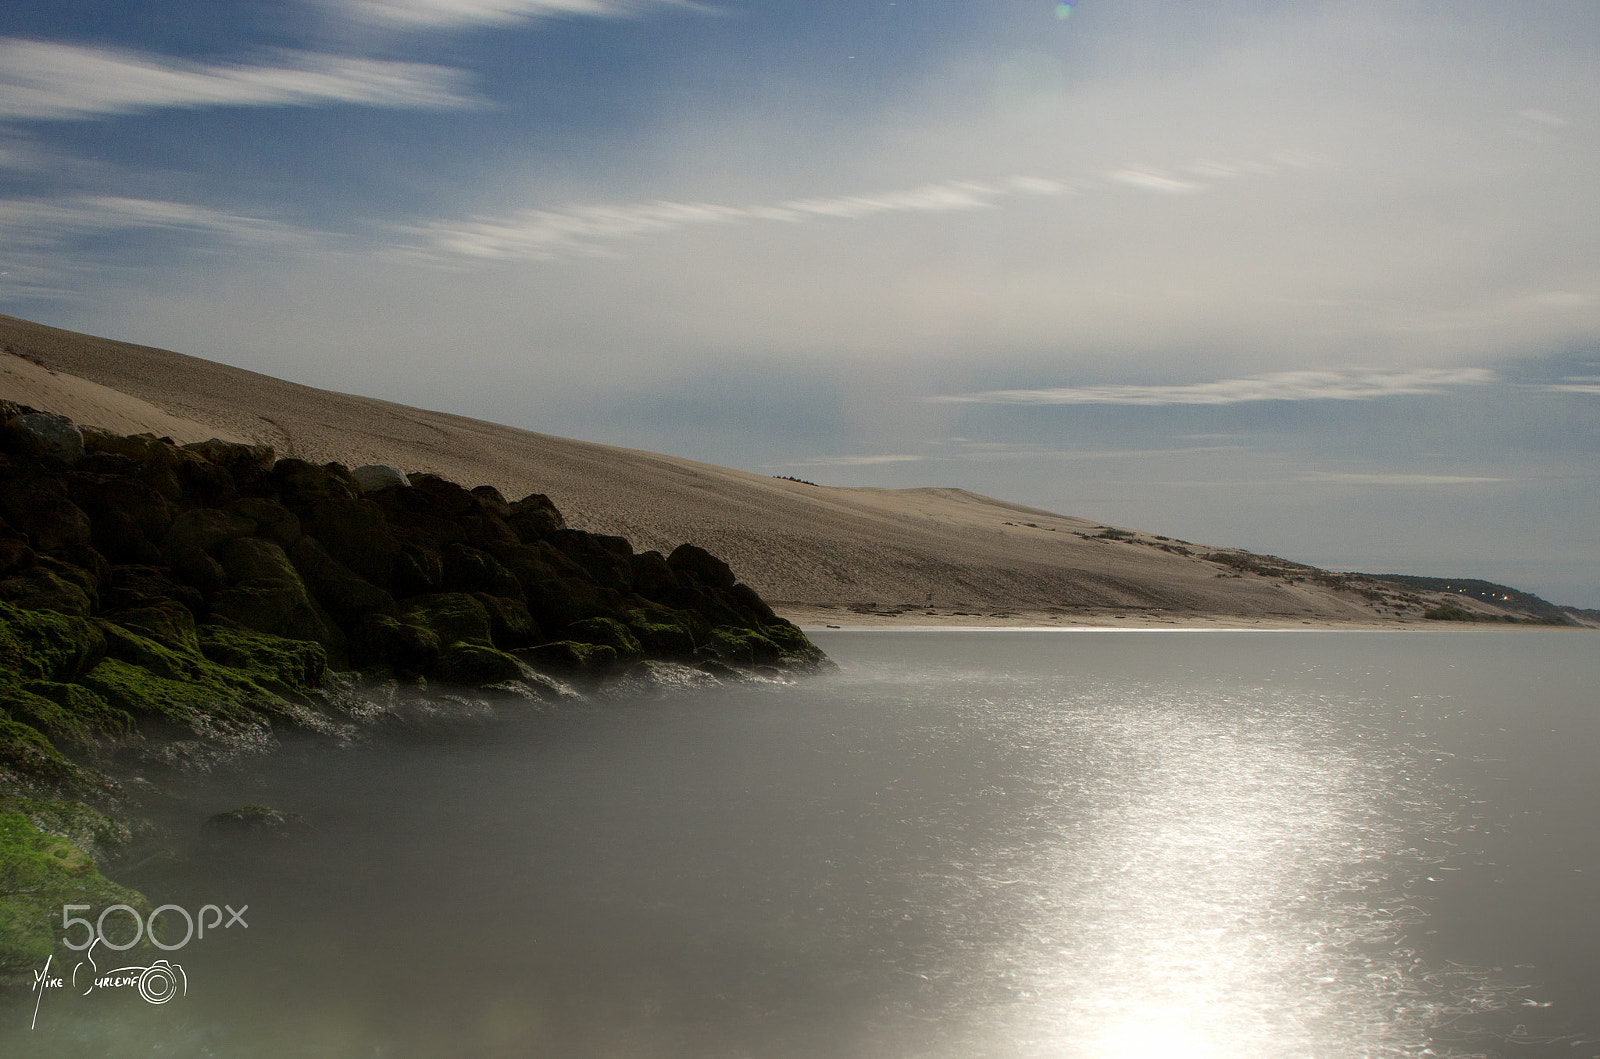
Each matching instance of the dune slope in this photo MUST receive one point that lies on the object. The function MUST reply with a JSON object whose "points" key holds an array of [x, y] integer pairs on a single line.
{"points": [[806, 548]]}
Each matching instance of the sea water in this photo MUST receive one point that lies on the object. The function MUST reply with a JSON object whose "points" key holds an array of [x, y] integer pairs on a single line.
{"points": [[1116, 844]]}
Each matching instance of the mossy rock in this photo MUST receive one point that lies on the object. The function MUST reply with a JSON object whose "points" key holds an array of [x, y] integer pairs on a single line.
{"points": [[742, 647], [184, 702], [467, 569], [380, 640], [451, 616], [797, 648], [84, 826], [69, 714], [47, 646], [39, 873], [25, 751], [165, 621], [272, 661], [661, 631], [510, 624], [40, 588], [608, 632], [570, 659], [477, 665]]}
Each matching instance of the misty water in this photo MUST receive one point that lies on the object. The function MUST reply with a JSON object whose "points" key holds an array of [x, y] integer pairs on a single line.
{"points": [[1117, 844]]}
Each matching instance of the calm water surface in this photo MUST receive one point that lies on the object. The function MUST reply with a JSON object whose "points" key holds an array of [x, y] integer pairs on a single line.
{"points": [[966, 844]]}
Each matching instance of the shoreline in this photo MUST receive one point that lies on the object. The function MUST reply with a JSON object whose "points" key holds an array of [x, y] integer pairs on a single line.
{"points": [[822, 619]]}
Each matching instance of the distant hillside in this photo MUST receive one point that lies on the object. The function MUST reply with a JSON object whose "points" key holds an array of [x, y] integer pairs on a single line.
{"points": [[1502, 597]]}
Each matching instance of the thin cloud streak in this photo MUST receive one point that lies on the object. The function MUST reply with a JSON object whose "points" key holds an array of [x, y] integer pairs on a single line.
{"points": [[542, 235], [460, 13], [35, 223], [1278, 386], [1402, 479], [40, 80]]}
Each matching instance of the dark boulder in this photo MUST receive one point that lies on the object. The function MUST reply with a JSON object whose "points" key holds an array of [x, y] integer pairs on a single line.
{"points": [[477, 665], [701, 565], [510, 623], [451, 616]]}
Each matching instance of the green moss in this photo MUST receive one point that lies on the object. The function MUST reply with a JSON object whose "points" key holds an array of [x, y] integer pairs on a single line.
{"points": [[25, 751], [796, 647], [271, 661], [744, 647], [67, 713], [47, 646], [38, 874], [165, 621], [451, 616], [608, 632], [477, 665], [185, 701]]}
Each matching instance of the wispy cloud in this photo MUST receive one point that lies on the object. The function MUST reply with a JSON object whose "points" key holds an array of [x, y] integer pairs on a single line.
{"points": [[40, 80], [45, 223], [1402, 479], [420, 13], [1278, 386], [543, 234], [1574, 384]]}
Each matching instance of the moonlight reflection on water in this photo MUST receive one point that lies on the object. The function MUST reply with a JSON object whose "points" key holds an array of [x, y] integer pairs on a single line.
{"points": [[964, 845]]}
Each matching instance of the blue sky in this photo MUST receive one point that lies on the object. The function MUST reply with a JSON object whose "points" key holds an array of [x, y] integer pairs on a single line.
{"points": [[1318, 279]]}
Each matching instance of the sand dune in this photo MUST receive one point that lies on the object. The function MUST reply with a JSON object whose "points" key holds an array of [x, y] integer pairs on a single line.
{"points": [[843, 555]]}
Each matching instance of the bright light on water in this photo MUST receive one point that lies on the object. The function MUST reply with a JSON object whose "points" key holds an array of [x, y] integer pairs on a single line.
{"points": [[966, 846]]}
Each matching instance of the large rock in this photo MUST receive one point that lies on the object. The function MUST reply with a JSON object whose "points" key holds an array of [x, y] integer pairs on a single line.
{"points": [[347, 597], [37, 505], [356, 533], [273, 521], [477, 665], [45, 435], [374, 477], [467, 569], [301, 484], [534, 516], [41, 588], [203, 529], [510, 623], [608, 561], [451, 616], [701, 565], [267, 594]]}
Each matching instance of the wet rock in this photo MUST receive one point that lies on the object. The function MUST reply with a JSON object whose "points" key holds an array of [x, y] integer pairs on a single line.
{"points": [[477, 665], [165, 621], [608, 561], [570, 659], [255, 821], [467, 569], [608, 632]]}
